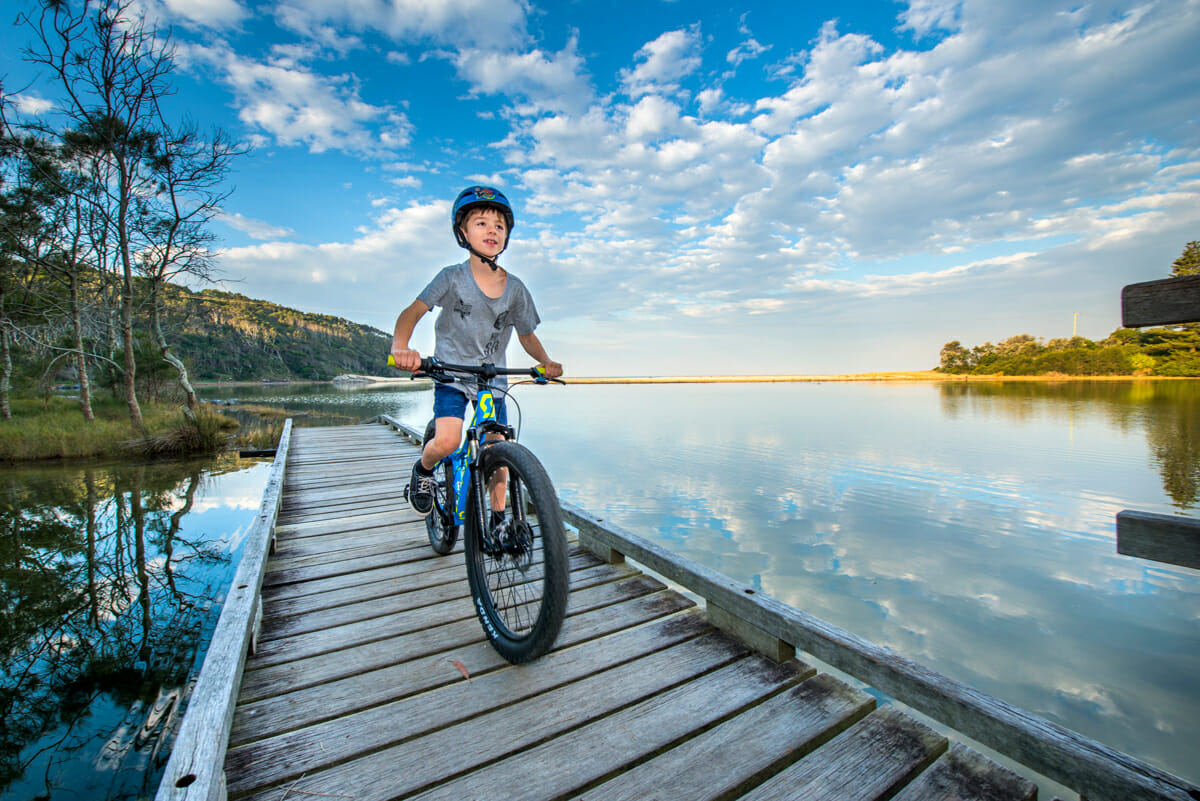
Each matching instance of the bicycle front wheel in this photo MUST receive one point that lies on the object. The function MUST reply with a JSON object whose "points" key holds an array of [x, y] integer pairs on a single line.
{"points": [[439, 523], [518, 575]]}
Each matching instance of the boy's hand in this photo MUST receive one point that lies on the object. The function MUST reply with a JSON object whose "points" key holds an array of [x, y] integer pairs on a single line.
{"points": [[553, 369], [407, 359]]}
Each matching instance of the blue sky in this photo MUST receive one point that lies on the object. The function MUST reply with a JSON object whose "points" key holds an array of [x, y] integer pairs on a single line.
{"points": [[705, 187]]}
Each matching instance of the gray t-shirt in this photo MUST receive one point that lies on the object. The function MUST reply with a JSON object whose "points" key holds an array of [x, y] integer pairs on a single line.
{"points": [[472, 328]]}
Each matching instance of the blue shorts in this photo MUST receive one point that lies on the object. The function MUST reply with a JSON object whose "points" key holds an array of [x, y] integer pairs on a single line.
{"points": [[451, 402]]}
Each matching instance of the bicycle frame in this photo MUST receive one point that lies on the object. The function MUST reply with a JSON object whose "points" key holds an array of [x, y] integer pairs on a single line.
{"points": [[466, 457]]}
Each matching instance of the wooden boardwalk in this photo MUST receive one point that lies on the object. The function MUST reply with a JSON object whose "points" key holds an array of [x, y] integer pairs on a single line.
{"points": [[372, 679]]}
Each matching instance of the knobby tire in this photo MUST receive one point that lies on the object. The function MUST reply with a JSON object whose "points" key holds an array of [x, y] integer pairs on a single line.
{"points": [[519, 590]]}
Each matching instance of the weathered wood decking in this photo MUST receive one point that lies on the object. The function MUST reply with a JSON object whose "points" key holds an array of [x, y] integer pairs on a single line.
{"points": [[372, 679]]}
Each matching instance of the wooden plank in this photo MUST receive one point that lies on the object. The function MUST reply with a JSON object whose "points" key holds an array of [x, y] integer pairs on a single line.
{"points": [[426, 587], [195, 769], [589, 753], [438, 751], [869, 761], [1086, 766], [963, 773], [739, 754], [311, 579], [623, 628], [1168, 301], [378, 605], [327, 525], [1163, 538], [304, 569]]}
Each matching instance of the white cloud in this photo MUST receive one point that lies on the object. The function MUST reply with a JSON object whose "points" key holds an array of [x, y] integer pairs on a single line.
{"points": [[208, 13], [31, 104], [662, 62], [497, 24], [255, 229], [545, 81], [297, 106], [748, 49]]}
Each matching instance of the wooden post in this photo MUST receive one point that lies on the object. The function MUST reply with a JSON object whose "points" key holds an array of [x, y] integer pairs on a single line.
{"points": [[1163, 538], [1169, 301]]}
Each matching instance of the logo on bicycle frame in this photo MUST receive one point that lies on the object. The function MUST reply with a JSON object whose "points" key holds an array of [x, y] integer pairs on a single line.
{"points": [[487, 406]]}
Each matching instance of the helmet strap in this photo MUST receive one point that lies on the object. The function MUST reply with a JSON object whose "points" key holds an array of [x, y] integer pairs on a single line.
{"points": [[489, 262]]}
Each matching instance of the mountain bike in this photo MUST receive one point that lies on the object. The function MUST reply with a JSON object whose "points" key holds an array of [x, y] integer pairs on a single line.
{"points": [[518, 577]]}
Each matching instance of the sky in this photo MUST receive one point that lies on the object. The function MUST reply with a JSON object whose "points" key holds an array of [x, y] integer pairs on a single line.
{"points": [[745, 187]]}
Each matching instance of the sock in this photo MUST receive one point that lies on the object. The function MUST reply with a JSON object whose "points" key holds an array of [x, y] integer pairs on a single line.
{"points": [[497, 518], [420, 468]]}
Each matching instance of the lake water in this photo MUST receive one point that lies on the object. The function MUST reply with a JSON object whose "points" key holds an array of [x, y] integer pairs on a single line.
{"points": [[112, 576], [969, 527]]}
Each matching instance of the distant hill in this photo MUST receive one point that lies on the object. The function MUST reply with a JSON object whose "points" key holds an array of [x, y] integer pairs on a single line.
{"points": [[223, 336]]}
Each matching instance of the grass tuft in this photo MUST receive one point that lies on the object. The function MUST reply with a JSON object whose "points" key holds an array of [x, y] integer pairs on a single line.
{"points": [[54, 428]]}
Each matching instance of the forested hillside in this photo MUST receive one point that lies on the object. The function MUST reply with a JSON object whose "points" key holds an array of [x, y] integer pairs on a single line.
{"points": [[230, 337]]}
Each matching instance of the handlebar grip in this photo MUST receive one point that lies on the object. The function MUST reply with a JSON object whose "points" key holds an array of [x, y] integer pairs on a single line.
{"points": [[427, 364]]}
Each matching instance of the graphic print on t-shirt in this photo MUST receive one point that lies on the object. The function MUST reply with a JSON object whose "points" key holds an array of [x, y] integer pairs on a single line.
{"points": [[463, 308], [493, 344]]}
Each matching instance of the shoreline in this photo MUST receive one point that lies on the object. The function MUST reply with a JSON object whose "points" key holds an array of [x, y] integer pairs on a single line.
{"points": [[898, 376]]}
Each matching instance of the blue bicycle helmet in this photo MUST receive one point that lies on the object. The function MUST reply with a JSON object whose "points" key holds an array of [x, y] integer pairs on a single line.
{"points": [[480, 197]]}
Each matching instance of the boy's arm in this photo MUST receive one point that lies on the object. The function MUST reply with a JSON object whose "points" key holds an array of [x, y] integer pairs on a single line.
{"points": [[406, 358], [533, 346]]}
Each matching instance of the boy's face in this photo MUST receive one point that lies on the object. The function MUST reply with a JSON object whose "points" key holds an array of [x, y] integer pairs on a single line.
{"points": [[486, 231]]}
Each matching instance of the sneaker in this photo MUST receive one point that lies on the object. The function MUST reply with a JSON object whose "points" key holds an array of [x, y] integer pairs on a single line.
{"points": [[501, 529], [420, 491]]}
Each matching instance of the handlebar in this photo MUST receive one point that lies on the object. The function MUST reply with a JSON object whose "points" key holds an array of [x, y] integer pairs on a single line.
{"points": [[432, 367]]}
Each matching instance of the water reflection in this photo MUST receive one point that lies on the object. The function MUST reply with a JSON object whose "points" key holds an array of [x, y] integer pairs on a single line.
{"points": [[112, 578], [1168, 411]]}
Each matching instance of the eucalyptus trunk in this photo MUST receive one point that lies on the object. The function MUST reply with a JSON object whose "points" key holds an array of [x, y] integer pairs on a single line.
{"points": [[5, 374], [85, 387], [123, 245], [130, 362]]}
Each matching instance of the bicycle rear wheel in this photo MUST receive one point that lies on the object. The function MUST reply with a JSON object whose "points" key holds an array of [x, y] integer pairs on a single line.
{"points": [[519, 583], [439, 525]]}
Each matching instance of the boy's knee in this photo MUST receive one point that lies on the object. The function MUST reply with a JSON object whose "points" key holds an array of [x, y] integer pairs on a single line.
{"points": [[445, 442]]}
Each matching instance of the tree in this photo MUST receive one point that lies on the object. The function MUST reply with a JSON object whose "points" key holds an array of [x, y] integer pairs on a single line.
{"points": [[955, 358], [150, 187], [112, 70], [1188, 262]]}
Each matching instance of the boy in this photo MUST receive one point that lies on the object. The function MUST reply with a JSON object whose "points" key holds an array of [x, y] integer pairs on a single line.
{"points": [[482, 303]]}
